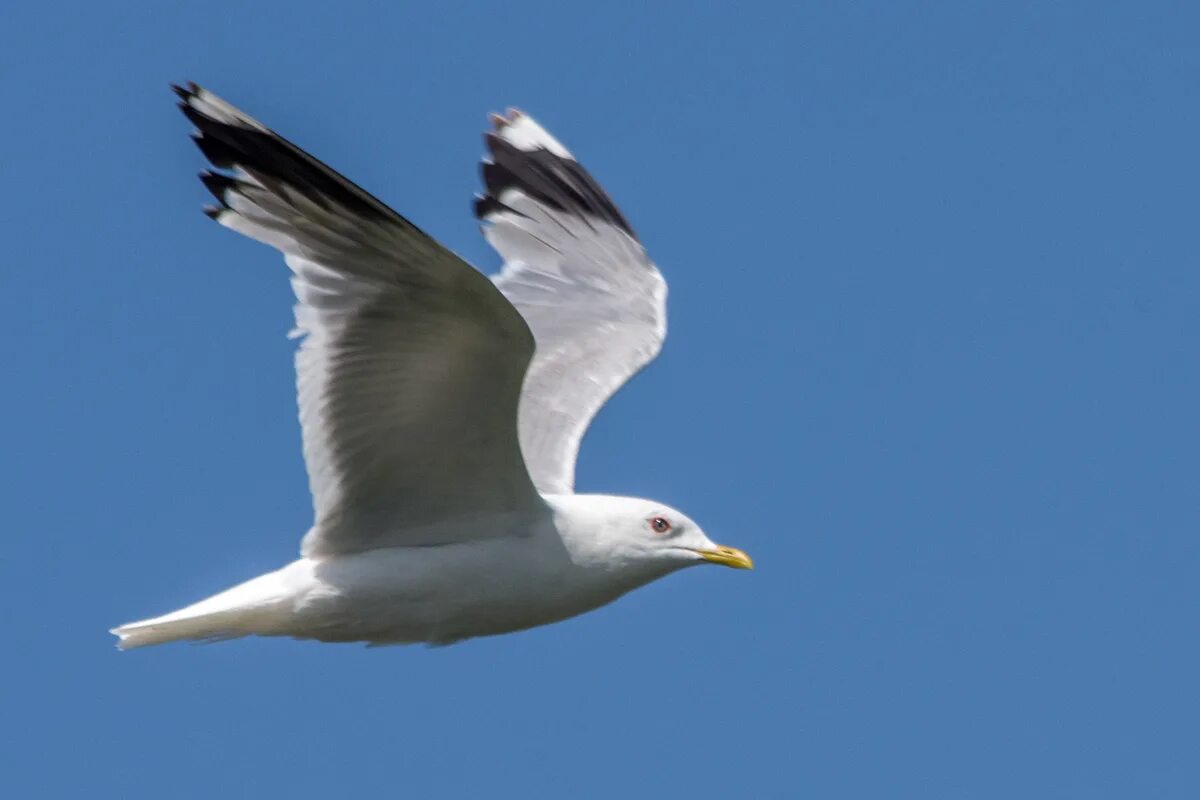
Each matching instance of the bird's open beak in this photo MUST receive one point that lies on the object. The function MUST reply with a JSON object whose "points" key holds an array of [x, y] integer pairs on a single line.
{"points": [[727, 556]]}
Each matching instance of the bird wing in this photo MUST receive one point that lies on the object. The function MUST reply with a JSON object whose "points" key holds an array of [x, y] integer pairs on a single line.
{"points": [[411, 364], [577, 273]]}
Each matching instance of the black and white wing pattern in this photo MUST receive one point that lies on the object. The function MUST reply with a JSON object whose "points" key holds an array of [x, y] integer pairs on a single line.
{"points": [[575, 270], [412, 362]]}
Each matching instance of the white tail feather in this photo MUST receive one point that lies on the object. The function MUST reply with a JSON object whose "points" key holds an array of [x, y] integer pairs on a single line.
{"points": [[164, 629], [249, 608]]}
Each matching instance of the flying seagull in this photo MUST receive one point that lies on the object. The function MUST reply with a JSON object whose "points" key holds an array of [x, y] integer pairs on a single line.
{"points": [[442, 410]]}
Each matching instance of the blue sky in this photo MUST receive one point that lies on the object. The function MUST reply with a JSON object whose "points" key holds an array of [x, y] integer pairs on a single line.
{"points": [[932, 362]]}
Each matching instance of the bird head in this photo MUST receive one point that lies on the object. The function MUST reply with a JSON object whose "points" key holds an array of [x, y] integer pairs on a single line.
{"points": [[621, 531]]}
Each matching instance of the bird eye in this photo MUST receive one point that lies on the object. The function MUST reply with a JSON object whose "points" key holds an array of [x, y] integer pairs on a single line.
{"points": [[659, 524]]}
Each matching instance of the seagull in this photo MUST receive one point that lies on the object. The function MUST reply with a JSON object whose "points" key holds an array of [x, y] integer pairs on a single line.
{"points": [[442, 410]]}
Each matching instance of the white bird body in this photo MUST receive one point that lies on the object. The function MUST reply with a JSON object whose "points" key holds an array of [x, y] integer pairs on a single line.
{"points": [[441, 411], [561, 566]]}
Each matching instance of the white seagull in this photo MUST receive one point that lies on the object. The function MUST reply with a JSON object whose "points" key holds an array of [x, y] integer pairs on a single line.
{"points": [[442, 411]]}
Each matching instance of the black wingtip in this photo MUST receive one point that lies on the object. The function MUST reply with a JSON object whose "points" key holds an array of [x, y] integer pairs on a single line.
{"points": [[230, 139], [558, 181], [487, 205], [212, 212], [218, 185], [186, 90], [217, 153]]}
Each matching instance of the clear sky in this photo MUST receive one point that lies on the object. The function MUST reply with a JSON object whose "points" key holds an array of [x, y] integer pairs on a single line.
{"points": [[933, 362]]}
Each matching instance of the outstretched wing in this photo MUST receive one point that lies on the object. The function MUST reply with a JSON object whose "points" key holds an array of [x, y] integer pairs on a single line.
{"points": [[411, 365], [577, 273]]}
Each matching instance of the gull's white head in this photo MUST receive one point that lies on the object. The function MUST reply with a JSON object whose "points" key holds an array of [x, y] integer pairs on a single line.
{"points": [[631, 533]]}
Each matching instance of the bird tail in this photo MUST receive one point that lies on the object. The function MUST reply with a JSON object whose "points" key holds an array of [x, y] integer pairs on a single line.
{"points": [[253, 607], [171, 628]]}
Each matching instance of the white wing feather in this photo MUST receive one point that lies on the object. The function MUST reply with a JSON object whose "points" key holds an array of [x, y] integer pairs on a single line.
{"points": [[574, 269], [411, 366]]}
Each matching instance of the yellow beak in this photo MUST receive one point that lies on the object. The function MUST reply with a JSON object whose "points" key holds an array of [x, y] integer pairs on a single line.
{"points": [[727, 556]]}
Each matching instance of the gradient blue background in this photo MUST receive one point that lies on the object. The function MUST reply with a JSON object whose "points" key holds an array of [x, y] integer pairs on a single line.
{"points": [[933, 362]]}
